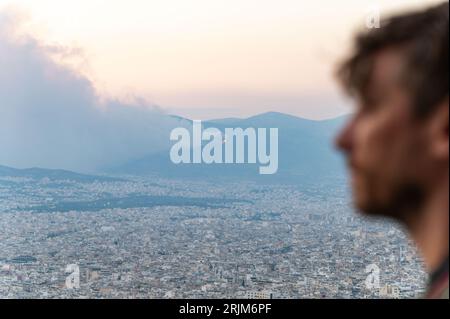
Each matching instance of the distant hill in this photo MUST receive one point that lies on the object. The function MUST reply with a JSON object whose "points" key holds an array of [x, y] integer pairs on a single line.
{"points": [[306, 153], [53, 174]]}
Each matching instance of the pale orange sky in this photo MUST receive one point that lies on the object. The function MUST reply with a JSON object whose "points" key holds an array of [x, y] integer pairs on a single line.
{"points": [[209, 58]]}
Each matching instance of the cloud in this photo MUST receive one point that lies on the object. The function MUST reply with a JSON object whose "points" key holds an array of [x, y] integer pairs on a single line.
{"points": [[51, 116]]}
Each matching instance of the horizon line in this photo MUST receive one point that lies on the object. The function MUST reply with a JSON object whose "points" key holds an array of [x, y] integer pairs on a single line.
{"points": [[242, 118]]}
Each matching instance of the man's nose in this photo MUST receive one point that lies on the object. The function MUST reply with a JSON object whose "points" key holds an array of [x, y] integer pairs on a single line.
{"points": [[344, 139]]}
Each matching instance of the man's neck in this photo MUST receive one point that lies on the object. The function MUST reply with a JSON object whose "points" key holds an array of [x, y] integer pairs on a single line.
{"points": [[430, 230]]}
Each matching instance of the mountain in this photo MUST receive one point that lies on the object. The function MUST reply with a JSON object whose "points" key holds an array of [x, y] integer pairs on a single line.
{"points": [[306, 153], [53, 175]]}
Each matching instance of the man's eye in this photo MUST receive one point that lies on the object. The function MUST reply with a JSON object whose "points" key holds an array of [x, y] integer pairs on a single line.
{"points": [[371, 104], [372, 101], [366, 108]]}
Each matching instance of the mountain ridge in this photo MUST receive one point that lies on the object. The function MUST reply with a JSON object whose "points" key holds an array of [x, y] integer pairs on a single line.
{"points": [[306, 152], [53, 174]]}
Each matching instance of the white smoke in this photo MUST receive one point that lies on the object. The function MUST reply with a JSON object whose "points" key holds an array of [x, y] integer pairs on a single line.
{"points": [[51, 116]]}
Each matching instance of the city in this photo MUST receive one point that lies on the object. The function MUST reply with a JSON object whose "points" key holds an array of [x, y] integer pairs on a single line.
{"points": [[263, 241]]}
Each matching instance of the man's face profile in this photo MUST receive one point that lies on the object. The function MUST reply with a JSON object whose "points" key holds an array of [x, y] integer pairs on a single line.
{"points": [[393, 155]]}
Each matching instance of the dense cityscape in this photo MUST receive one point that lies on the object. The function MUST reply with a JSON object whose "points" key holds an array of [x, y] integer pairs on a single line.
{"points": [[160, 238]]}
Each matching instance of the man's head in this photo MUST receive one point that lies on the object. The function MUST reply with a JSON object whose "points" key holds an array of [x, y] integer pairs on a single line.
{"points": [[397, 141]]}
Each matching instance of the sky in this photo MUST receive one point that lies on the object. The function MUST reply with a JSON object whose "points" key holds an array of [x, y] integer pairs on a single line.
{"points": [[205, 59], [52, 116]]}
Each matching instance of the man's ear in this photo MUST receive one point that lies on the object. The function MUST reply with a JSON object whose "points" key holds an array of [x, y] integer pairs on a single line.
{"points": [[439, 131]]}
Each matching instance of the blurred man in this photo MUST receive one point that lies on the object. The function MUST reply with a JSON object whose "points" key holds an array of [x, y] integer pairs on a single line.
{"points": [[397, 143]]}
